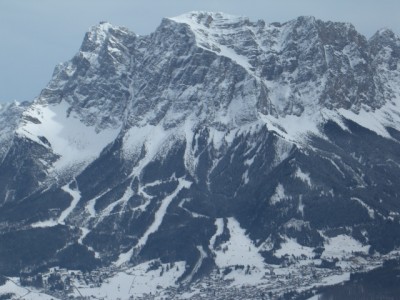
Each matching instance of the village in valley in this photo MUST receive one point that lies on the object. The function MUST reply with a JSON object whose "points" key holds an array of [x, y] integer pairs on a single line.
{"points": [[297, 276]]}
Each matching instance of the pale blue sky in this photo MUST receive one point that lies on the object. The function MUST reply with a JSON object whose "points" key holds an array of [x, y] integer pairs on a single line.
{"points": [[37, 34]]}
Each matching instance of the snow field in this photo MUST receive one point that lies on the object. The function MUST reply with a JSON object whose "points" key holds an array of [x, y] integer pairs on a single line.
{"points": [[239, 250], [342, 246], [74, 142], [136, 281], [30, 293]]}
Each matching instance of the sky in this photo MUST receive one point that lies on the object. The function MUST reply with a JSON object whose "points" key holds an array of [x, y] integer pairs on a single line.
{"points": [[36, 35]]}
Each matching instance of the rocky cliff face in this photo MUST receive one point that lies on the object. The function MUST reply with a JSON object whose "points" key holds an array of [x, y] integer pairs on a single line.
{"points": [[10, 115], [214, 142]]}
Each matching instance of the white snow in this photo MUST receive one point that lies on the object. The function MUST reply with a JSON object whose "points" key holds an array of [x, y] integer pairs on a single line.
{"points": [[371, 212], [216, 138], [44, 224], [207, 36], [135, 282], [335, 165], [190, 160], [245, 177], [267, 245], [294, 128], [305, 177], [370, 120], [159, 215], [239, 59], [194, 215], [220, 229], [85, 232], [158, 218], [75, 143], [336, 117], [342, 246], [300, 207], [336, 279], [332, 280], [109, 209], [292, 247], [151, 138], [12, 286], [76, 196], [353, 55], [279, 195], [239, 249], [90, 207], [124, 258], [297, 128], [198, 264], [297, 224], [282, 151]]}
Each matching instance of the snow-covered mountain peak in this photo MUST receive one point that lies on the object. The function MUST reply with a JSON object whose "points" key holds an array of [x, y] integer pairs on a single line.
{"points": [[98, 34], [213, 31], [211, 144], [94, 82], [385, 33], [301, 22], [210, 19], [385, 39], [294, 69], [281, 75]]}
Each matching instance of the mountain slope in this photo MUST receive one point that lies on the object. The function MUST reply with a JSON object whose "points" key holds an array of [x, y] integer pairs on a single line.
{"points": [[215, 145]]}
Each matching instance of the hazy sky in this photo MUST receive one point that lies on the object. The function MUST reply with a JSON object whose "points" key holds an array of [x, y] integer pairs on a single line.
{"points": [[35, 35]]}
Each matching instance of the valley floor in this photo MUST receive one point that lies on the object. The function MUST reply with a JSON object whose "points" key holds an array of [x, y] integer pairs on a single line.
{"points": [[298, 277]]}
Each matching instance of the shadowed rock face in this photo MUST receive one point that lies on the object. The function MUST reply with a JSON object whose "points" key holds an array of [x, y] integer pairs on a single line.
{"points": [[156, 147]]}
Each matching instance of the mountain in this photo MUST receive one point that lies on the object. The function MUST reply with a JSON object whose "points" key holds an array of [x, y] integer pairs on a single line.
{"points": [[216, 151], [10, 114]]}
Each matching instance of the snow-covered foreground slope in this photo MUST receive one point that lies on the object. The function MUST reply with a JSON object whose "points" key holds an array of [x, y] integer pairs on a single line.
{"points": [[215, 156]]}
